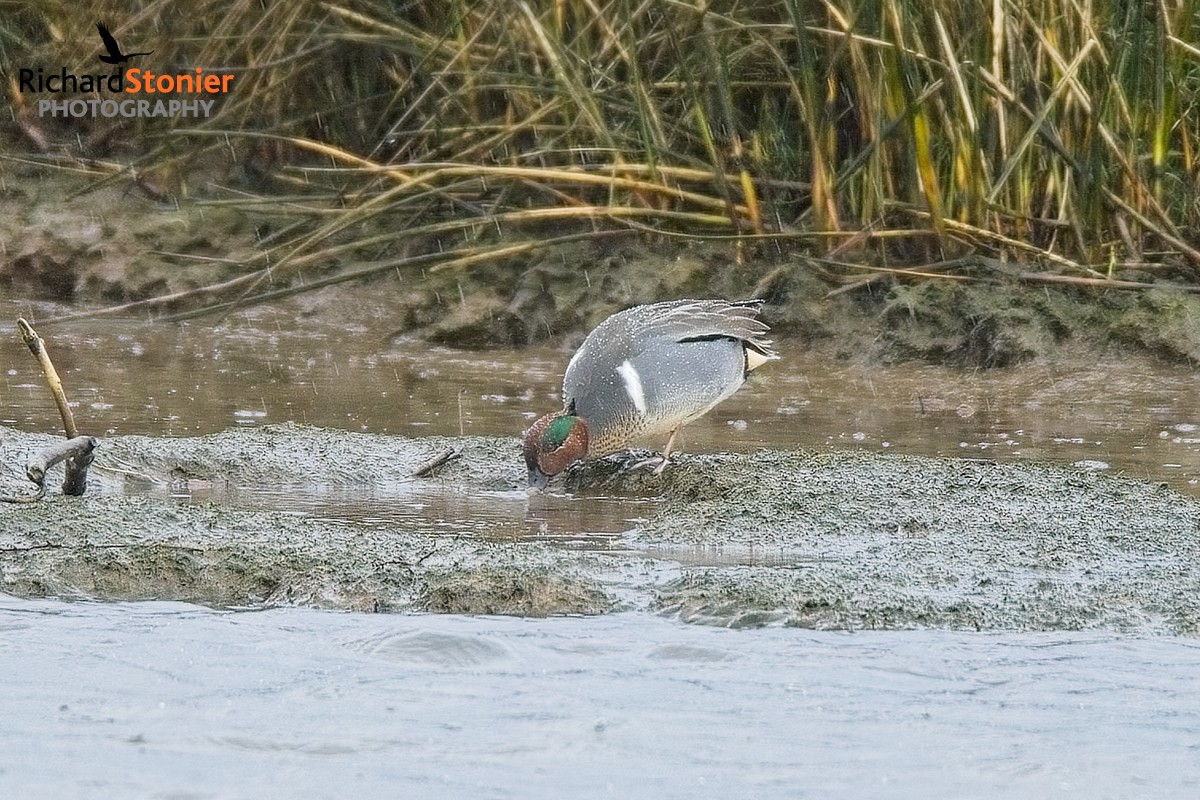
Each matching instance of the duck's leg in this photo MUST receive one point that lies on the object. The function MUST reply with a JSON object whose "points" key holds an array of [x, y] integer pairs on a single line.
{"points": [[660, 461], [666, 454]]}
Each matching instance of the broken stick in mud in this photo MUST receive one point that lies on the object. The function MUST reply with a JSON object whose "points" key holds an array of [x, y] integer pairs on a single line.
{"points": [[432, 465], [77, 451]]}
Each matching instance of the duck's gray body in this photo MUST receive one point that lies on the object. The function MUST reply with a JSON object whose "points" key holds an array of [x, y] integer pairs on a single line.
{"points": [[651, 369]]}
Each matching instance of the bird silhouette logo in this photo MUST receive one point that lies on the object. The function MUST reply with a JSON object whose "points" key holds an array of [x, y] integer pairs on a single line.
{"points": [[114, 55]]}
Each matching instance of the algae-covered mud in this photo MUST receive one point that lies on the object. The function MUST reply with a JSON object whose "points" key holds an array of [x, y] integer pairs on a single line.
{"points": [[300, 515]]}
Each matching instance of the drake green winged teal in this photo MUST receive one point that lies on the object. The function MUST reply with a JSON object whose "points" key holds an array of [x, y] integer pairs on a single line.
{"points": [[647, 371]]}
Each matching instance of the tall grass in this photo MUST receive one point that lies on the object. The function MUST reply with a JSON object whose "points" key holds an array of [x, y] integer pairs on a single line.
{"points": [[1059, 133]]}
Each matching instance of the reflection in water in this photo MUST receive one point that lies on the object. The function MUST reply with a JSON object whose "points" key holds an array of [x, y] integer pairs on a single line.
{"points": [[592, 523], [1128, 414]]}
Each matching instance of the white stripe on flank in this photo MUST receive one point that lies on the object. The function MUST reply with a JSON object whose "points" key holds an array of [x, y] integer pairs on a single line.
{"points": [[633, 386]]}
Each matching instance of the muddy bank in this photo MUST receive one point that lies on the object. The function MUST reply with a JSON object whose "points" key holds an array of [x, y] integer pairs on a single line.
{"points": [[129, 539], [868, 541], [121, 548], [828, 540], [64, 255]]}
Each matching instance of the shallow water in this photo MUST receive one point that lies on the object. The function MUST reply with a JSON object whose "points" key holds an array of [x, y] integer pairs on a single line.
{"points": [[141, 700], [170, 700]]}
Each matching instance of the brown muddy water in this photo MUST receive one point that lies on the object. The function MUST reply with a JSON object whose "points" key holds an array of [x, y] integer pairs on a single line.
{"points": [[1124, 414], [1079, 682]]}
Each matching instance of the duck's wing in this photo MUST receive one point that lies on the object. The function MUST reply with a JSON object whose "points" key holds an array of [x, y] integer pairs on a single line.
{"points": [[700, 320], [633, 333]]}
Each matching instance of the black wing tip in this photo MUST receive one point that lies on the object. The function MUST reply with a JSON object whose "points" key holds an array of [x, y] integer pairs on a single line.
{"points": [[764, 347]]}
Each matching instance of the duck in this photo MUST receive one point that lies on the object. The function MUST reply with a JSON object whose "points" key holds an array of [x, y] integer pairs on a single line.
{"points": [[644, 372]]}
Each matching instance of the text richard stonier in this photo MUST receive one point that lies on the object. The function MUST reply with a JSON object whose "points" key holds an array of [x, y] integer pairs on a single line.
{"points": [[186, 92]]}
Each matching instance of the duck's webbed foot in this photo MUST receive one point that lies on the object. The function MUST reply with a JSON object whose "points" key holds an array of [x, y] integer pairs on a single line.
{"points": [[658, 462]]}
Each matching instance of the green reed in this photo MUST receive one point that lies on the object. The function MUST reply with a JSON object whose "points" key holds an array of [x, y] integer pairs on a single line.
{"points": [[1057, 132]]}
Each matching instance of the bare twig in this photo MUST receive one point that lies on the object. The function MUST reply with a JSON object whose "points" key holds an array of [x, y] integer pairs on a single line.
{"points": [[38, 348], [446, 456]]}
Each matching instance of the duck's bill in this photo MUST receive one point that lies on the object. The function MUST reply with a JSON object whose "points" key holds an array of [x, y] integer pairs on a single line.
{"points": [[537, 480]]}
